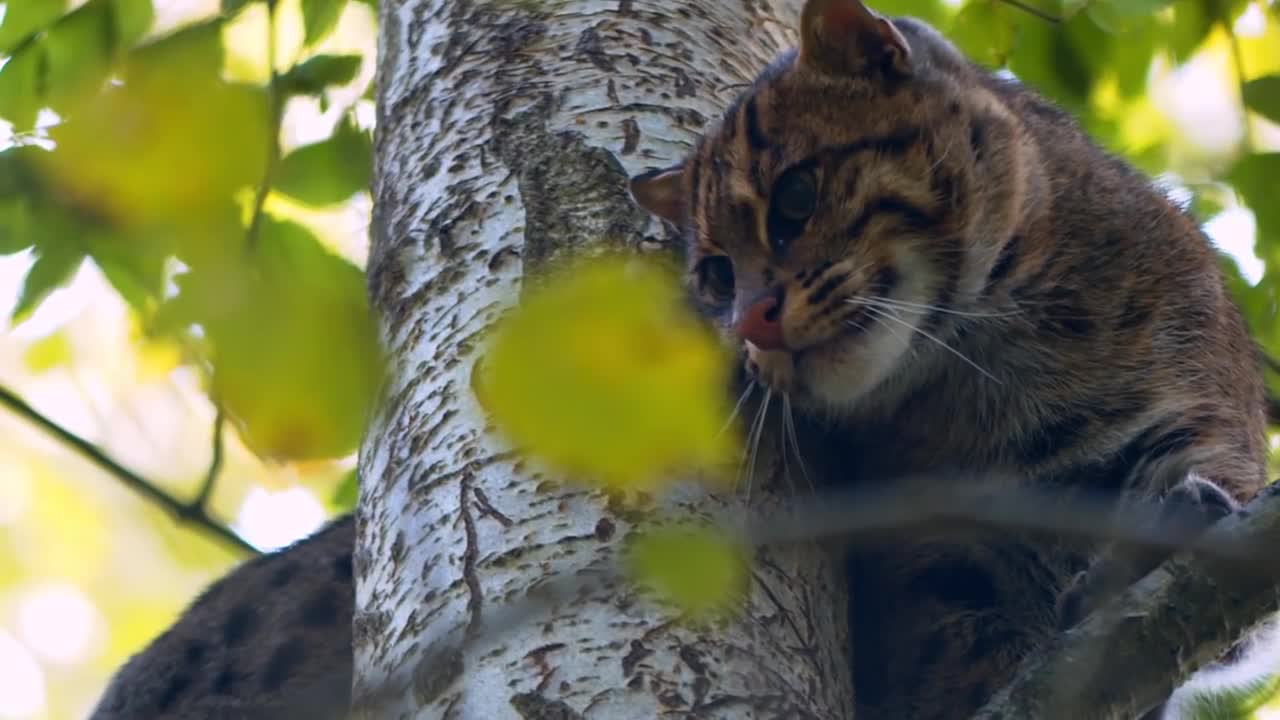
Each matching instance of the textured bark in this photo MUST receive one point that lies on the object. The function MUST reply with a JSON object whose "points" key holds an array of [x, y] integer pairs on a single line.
{"points": [[506, 134]]}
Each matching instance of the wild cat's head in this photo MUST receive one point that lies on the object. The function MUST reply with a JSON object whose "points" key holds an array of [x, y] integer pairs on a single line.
{"points": [[864, 186]]}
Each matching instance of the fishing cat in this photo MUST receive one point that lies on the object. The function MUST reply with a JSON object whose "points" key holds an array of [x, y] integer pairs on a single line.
{"points": [[940, 266]]}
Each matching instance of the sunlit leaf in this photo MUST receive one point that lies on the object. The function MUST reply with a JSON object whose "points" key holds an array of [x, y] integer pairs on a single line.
{"points": [[320, 72], [54, 266], [1192, 22], [296, 359], [1262, 95], [24, 17], [603, 373], [133, 263], [702, 572], [320, 17], [51, 351], [144, 152], [329, 171]]}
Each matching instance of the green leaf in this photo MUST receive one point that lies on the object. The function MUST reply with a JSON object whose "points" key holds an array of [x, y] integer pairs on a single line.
{"points": [[231, 7], [319, 17], [1192, 22], [15, 224], [133, 19], [79, 49], [268, 315], [1262, 95], [24, 17], [55, 264], [348, 491], [985, 32], [133, 263], [329, 171], [319, 72], [19, 80], [1257, 178]]}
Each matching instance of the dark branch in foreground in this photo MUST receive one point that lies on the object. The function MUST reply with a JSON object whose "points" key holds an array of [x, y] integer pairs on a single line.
{"points": [[1149, 640], [1181, 617], [193, 513]]}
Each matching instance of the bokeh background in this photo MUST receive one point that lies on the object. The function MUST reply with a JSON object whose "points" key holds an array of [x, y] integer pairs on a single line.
{"points": [[147, 278]]}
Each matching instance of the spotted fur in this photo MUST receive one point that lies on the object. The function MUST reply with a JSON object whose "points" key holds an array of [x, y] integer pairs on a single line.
{"points": [[271, 640], [979, 288]]}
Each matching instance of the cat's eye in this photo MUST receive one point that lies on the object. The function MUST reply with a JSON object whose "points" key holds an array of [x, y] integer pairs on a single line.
{"points": [[794, 200], [715, 278], [795, 195]]}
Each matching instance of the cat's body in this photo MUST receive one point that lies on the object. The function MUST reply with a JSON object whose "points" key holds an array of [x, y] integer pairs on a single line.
{"points": [[944, 270], [871, 197], [269, 641]]}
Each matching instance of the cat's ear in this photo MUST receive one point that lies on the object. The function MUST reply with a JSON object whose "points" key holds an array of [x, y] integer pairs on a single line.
{"points": [[845, 37], [661, 192]]}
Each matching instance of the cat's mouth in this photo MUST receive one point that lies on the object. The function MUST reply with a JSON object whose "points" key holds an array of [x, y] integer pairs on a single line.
{"points": [[805, 375]]}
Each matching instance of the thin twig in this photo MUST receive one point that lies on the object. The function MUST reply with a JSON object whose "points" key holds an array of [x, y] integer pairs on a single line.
{"points": [[1033, 11], [1237, 59], [215, 463], [275, 106], [182, 512]]}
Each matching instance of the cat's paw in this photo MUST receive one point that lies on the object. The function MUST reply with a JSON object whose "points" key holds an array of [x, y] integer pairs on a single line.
{"points": [[1194, 505]]}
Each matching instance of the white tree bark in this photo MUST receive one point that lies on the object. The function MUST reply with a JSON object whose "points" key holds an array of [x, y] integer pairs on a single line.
{"points": [[506, 134]]}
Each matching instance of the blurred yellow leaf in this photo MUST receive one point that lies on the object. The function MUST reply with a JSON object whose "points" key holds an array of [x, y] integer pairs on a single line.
{"points": [[604, 373], [142, 152], [700, 570], [51, 351]]}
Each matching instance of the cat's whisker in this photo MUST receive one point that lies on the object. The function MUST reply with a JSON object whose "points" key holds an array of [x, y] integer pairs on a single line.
{"points": [[789, 432], [753, 440], [742, 399], [880, 312], [923, 308], [782, 449]]}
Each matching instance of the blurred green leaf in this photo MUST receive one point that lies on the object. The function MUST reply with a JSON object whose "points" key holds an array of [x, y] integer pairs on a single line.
{"points": [[348, 491], [231, 7], [1257, 178], [1262, 95], [1191, 24], [133, 263], [329, 171], [317, 73], [24, 17], [1045, 58], [55, 263], [295, 354], [319, 17], [78, 56], [133, 19], [985, 32], [15, 224], [19, 80]]}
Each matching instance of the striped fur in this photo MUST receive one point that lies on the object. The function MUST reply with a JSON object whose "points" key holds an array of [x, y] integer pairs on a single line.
{"points": [[981, 288]]}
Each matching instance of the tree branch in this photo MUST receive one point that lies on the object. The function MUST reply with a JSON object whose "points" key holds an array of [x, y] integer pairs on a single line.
{"points": [[193, 513], [1133, 652]]}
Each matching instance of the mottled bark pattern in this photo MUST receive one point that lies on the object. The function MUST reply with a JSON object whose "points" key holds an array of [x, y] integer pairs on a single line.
{"points": [[506, 135]]}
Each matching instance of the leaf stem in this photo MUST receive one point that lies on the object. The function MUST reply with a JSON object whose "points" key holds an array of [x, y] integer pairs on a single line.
{"points": [[275, 105], [193, 513]]}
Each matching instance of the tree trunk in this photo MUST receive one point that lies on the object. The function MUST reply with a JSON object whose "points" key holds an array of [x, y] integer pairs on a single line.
{"points": [[506, 135]]}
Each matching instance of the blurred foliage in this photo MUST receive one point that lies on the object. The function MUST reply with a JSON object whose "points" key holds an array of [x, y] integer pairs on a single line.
{"points": [[578, 349], [161, 152]]}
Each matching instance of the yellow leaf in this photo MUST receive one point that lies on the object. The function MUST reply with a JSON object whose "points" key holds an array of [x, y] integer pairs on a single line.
{"points": [[605, 374], [51, 351], [700, 570]]}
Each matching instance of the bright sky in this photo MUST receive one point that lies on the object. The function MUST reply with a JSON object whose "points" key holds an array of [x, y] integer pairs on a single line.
{"points": [[55, 624]]}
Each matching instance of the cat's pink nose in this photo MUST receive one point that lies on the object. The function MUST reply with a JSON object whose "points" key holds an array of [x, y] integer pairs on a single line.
{"points": [[761, 324]]}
